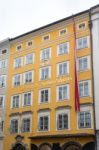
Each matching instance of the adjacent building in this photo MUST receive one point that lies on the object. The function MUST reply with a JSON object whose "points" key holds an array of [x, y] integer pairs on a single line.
{"points": [[41, 95], [95, 58], [4, 54]]}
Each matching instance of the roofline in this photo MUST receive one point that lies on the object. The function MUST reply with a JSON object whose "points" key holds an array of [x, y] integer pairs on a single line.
{"points": [[48, 25]]}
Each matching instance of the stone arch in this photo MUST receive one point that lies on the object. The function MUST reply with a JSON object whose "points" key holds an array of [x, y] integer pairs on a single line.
{"points": [[89, 146], [45, 146], [72, 146]]}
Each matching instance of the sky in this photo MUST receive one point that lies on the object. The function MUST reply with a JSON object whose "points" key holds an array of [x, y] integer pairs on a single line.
{"points": [[21, 16]]}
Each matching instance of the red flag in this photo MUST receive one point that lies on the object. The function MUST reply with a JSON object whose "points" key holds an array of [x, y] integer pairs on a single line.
{"points": [[77, 101]]}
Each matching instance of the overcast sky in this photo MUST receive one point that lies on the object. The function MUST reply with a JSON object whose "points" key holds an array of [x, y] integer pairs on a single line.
{"points": [[20, 16]]}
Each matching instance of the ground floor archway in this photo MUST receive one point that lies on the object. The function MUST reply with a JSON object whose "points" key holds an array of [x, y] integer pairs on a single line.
{"points": [[89, 146], [71, 146], [19, 147]]}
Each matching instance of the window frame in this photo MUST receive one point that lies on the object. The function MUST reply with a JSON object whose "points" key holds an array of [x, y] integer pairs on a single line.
{"points": [[82, 63], [68, 92], [3, 101], [49, 92], [44, 114], [58, 68], [19, 101], [3, 83], [44, 51], [62, 51], [49, 73], [89, 88], [32, 75], [31, 100]]}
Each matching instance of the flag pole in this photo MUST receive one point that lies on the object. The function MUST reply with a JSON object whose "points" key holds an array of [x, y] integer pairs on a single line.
{"points": [[77, 100]]}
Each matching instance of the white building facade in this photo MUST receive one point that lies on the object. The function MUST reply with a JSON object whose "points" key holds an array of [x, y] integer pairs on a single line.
{"points": [[4, 55], [95, 57]]}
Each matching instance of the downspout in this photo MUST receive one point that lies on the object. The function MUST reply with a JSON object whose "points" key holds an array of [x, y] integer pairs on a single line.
{"points": [[93, 90]]}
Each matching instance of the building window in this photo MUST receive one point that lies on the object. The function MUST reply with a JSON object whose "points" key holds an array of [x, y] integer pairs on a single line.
{"points": [[62, 32], [14, 126], [3, 51], [18, 47], [26, 125], [84, 119], [29, 59], [18, 62], [45, 54], [83, 63], [44, 95], [63, 92], [62, 121], [63, 68], [2, 98], [15, 101], [44, 123], [17, 80], [2, 81], [3, 63], [83, 42], [63, 48], [28, 77], [46, 38], [81, 26], [84, 88], [45, 73], [27, 99], [29, 43], [1, 125]]}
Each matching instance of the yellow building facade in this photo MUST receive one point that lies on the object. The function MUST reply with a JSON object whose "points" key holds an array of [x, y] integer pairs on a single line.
{"points": [[40, 106]]}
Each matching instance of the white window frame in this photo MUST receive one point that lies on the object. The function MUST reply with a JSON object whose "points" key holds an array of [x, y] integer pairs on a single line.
{"points": [[82, 40], [89, 90], [63, 111], [31, 101], [62, 52], [83, 28], [18, 65], [64, 29], [3, 76], [1, 50], [20, 45], [15, 118], [27, 44], [44, 51], [43, 114], [19, 101], [24, 76], [58, 67], [2, 62], [27, 116], [85, 109], [25, 59], [3, 101], [68, 92], [20, 80], [49, 95], [82, 59], [46, 36], [40, 73]]}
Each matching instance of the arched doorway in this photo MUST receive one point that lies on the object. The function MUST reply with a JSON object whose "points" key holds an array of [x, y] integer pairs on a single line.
{"points": [[89, 146], [45, 146], [19, 147], [71, 146]]}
